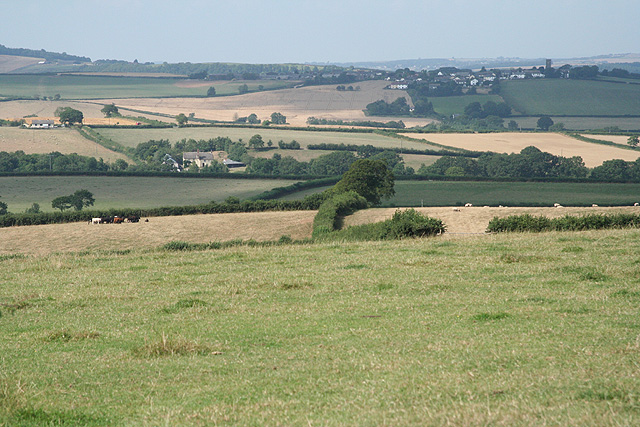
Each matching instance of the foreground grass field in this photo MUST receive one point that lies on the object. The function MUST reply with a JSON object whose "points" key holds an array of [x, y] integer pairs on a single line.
{"points": [[498, 330], [19, 192]]}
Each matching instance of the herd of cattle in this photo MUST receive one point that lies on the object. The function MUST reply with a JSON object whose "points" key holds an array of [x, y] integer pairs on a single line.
{"points": [[114, 219]]}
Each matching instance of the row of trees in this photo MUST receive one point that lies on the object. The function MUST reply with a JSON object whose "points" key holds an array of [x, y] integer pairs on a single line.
{"points": [[531, 162]]}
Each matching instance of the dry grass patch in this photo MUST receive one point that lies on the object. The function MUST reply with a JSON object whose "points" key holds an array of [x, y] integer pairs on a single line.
{"points": [[508, 142]]}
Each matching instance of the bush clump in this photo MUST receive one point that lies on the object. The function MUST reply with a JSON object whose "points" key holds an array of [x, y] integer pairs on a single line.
{"points": [[404, 224]]}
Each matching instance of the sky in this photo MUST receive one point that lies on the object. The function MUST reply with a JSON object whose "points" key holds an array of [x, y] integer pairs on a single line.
{"points": [[304, 31]]}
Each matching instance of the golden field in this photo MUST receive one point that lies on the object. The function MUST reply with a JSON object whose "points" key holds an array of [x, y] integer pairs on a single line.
{"points": [[43, 141]]}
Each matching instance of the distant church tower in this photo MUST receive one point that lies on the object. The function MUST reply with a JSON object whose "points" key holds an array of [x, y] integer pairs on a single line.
{"points": [[548, 65]]}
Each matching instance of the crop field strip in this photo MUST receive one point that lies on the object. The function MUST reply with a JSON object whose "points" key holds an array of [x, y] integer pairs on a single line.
{"points": [[517, 329], [79, 87]]}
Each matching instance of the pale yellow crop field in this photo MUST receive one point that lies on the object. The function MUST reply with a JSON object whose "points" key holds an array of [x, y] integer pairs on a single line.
{"points": [[296, 104], [43, 141], [508, 142], [80, 236]]}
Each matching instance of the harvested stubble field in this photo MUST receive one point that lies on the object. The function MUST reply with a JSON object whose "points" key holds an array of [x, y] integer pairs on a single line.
{"points": [[617, 139], [513, 142], [133, 137], [517, 329], [19, 192], [80, 236], [43, 141], [11, 63], [296, 104], [20, 109]]}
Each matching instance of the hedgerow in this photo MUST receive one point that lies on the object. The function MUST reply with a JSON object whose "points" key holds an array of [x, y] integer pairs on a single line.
{"points": [[529, 223], [330, 212]]}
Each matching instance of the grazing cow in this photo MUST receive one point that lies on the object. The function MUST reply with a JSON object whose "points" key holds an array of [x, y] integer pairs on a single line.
{"points": [[133, 218], [468, 205], [118, 220], [456, 209], [636, 204], [95, 221], [107, 220], [594, 205]]}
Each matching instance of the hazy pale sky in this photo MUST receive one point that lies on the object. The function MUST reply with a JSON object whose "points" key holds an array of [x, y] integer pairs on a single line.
{"points": [[278, 31]]}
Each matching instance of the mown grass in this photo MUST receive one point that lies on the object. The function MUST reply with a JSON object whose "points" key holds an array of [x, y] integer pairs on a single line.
{"points": [[20, 192], [499, 330], [456, 193], [97, 87], [571, 97]]}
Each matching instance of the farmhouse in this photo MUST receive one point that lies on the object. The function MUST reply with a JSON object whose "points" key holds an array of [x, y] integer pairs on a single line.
{"points": [[200, 159], [42, 124]]}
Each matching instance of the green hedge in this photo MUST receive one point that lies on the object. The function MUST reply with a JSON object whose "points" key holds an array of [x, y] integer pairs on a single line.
{"points": [[330, 212], [309, 203], [530, 223]]}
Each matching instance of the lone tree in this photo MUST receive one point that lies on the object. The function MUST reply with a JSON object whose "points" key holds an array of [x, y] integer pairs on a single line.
{"points": [[372, 179], [110, 110], [256, 142], [78, 200], [70, 116], [545, 122], [211, 91], [253, 119], [182, 119], [278, 119], [633, 140]]}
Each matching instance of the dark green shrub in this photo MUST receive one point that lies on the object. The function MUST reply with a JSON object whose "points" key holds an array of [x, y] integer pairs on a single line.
{"points": [[410, 223]]}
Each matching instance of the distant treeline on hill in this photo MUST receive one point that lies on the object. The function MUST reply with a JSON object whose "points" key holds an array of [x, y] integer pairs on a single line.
{"points": [[49, 56], [365, 123]]}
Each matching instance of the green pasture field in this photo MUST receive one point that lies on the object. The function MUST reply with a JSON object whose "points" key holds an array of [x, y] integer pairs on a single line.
{"points": [[133, 137], [571, 97], [582, 123], [456, 193], [517, 329], [97, 87], [448, 105], [129, 192]]}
